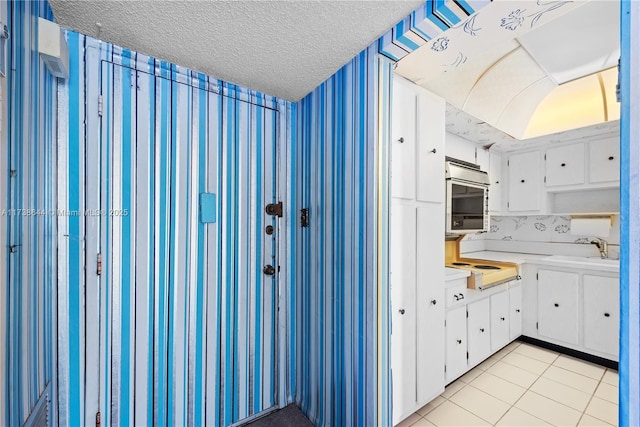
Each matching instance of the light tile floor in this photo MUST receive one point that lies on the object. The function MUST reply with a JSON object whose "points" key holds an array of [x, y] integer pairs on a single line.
{"points": [[525, 385]]}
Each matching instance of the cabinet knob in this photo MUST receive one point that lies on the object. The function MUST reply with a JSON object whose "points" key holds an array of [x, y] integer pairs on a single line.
{"points": [[502, 318], [517, 310], [556, 305], [607, 315], [497, 182], [401, 140], [401, 311], [563, 164], [611, 157], [433, 302], [459, 341], [433, 151], [461, 296], [522, 180], [481, 329]]}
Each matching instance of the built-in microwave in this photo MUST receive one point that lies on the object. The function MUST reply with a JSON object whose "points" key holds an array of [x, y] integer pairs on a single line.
{"points": [[467, 190]]}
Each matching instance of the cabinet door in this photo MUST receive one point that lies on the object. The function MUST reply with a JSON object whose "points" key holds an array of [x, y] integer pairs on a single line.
{"points": [[604, 161], [403, 305], [403, 140], [565, 165], [478, 331], [524, 182], [601, 313], [430, 131], [430, 298], [515, 312], [495, 184], [456, 345], [499, 320], [558, 305]]}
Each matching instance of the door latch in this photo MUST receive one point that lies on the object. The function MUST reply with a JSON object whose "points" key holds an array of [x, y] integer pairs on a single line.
{"points": [[304, 217], [274, 209], [269, 270]]}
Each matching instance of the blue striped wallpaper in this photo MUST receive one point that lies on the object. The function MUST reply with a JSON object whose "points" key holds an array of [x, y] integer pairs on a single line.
{"points": [[181, 326], [339, 289], [27, 220]]}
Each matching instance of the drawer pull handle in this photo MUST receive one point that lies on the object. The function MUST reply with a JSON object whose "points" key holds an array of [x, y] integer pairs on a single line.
{"points": [[607, 315], [611, 157], [461, 296], [401, 140], [457, 297], [556, 305], [563, 164], [459, 341], [433, 302], [401, 311]]}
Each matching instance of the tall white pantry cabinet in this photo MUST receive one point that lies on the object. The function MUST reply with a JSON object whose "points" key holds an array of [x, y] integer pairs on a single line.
{"points": [[417, 247]]}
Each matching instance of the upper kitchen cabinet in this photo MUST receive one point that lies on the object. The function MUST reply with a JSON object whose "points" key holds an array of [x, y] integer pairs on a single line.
{"points": [[403, 140], [495, 183], [417, 144], [431, 136], [524, 173], [604, 161], [565, 165]]}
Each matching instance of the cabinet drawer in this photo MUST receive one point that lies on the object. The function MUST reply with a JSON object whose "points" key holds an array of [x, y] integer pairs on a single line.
{"points": [[456, 295]]}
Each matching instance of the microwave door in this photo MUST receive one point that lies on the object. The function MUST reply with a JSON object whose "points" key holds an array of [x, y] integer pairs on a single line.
{"points": [[466, 207]]}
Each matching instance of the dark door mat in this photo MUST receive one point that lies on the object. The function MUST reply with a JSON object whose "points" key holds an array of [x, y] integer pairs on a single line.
{"points": [[289, 416]]}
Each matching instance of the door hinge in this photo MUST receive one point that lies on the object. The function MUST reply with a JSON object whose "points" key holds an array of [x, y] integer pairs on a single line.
{"points": [[545, 156], [445, 368], [97, 419], [536, 326], [467, 314], [99, 265], [445, 322], [304, 217], [507, 204], [100, 105], [274, 209], [507, 162], [467, 355], [536, 276], [545, 179]]}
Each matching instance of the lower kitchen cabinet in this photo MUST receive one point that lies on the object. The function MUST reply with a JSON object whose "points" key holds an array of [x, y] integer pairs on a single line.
{"points": [[515, 311], [456, 343], [499, 320], [558, 305], [601, 314], [478, 331]]}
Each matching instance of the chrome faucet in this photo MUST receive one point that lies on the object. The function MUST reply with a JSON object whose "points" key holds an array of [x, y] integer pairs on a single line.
{"points": [[602, 246]]}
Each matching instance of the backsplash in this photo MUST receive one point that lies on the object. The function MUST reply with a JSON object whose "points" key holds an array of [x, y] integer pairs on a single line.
{"points": [[548, 228]]}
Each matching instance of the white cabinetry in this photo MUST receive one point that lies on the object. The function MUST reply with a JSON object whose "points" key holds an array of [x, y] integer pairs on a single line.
{"points": [[495, 183], [499, 320], [604, 161], [456, 343], [430, 304], [478, 331], [403, 140], [601, 313], [565, 165], [515, 311], [403, 314], [524, 172], [430, 136], [417, 252], [558, 305]]}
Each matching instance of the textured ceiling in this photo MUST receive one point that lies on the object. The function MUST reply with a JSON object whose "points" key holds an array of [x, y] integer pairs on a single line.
{"points": [[283, 48]]}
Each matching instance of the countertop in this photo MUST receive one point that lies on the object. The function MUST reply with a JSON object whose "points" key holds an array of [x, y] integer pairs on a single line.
{"points": [[609, 266], [455, 273]]}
